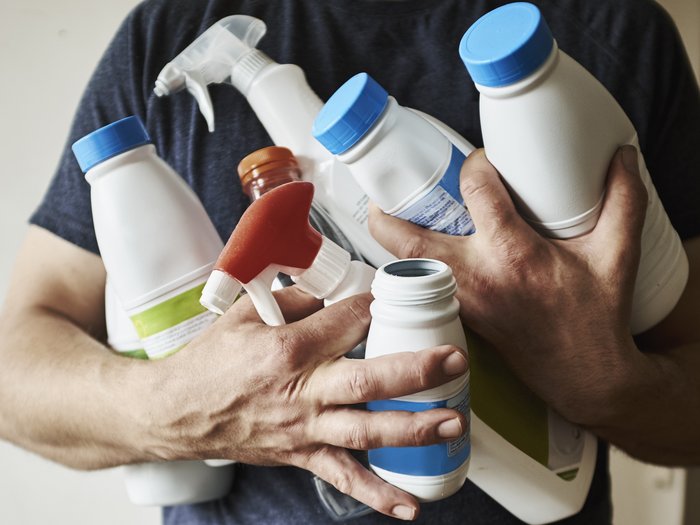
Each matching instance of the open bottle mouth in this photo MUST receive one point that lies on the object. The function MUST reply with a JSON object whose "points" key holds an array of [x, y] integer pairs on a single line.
{"points": [[414, 267], [414, 282]]}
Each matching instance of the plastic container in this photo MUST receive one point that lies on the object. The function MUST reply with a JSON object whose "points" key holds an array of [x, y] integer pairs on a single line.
{"points": [[415, 308], [404, 164], [550, 128], [158, 246]]}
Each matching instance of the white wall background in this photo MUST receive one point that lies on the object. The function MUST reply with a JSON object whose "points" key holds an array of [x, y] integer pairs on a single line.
{"points": [[47, 50]]}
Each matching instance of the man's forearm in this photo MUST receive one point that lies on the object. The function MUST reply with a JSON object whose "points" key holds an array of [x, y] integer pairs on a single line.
{"points": [[656, 414], [63, 395], [653, 414]]}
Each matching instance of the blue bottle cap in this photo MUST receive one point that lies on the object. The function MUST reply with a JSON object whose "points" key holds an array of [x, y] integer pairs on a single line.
{"points": [[349, 113], [506, 45], [109, 141]]}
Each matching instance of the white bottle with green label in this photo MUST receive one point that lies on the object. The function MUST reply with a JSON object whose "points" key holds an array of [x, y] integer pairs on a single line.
{"points": [[158, 246]]}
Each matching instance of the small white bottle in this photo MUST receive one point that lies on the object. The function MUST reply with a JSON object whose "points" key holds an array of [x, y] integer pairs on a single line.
{"points": [[550, 128], [404, 164], [415, 308], [158, 247]]}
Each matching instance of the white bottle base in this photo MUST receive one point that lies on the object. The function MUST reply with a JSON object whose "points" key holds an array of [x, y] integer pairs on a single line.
{"points": [[427, 488], [176, 483]]}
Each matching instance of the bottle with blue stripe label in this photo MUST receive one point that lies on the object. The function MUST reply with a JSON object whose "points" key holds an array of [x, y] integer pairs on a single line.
{"points": [[402, 161], [415, 308]]}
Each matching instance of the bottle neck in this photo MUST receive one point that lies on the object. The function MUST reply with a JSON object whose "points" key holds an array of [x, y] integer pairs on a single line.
{"points": [[260, 183], [137, 154], [526, 84], [414, 282]]}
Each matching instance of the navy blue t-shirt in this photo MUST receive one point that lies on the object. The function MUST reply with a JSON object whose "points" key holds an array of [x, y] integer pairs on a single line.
{"points": [[410, 48]]}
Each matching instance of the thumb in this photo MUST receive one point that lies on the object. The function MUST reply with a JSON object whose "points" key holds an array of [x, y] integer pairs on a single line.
{"points": [[487, 199], [404, 239], [619, 228]]}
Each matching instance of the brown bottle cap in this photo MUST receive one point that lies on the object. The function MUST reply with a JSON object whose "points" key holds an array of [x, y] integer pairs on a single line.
{"points": [[266, 159]]}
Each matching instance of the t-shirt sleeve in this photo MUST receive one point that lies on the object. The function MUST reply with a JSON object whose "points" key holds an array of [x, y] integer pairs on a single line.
{"points": [[114, 91]]}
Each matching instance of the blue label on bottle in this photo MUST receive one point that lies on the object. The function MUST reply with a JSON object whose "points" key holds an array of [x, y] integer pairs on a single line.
{"points": [[442, 208], [431, 460], [450, 180]]}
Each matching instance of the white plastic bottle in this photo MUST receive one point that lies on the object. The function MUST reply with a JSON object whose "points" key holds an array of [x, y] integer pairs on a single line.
{"points": [[415, 308], [551, 128], [158, 247], [404, 164]]}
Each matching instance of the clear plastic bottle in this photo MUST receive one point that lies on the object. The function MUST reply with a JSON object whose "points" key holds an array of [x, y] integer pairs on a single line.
{"points": [[405, 165], [550, 128], [415, 308], [158, 246]]}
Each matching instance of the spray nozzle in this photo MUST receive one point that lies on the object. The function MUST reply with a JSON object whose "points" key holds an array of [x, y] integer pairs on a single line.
{"points": [[211, 58], [274, 235]]}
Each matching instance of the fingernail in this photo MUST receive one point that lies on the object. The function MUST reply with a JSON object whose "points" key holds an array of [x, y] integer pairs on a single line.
{"points": [[404, 512], [454, 364], [452, 428], [629, 159]]}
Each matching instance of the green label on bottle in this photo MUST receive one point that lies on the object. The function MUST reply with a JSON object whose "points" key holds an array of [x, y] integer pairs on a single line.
{"points": [[510, 408], [167, 327]]}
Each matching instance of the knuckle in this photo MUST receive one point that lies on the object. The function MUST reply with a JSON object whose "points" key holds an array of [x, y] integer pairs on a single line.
{"points": [[288, 347], [421, 371], [412, 247], [420, 434], [362, 384], [358, 308], [343, 481], [358, 437], [474, 183]]}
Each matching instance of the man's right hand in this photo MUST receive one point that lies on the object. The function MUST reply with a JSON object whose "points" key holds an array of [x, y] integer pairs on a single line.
{"points": [[283, 396]]}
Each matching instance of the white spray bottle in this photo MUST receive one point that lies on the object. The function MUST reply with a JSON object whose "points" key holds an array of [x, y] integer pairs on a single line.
{"points": [[286, 106]]}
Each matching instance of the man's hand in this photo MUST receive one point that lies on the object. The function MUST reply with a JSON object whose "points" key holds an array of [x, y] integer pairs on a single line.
{"points": [[558, 311], [283, 396], [241, 390]]}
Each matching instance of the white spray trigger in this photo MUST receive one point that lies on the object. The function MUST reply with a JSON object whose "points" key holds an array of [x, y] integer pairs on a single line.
{"points": [[197, 87], [260, 291], [210, 59]]}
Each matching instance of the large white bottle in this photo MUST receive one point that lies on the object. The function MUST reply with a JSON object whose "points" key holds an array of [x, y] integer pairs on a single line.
{"points": [[158, 247], [414, 308], [405, 165], [550, 128]]}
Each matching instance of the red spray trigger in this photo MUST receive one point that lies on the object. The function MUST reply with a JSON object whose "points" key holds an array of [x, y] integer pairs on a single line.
{"points": [[274, 230]]}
